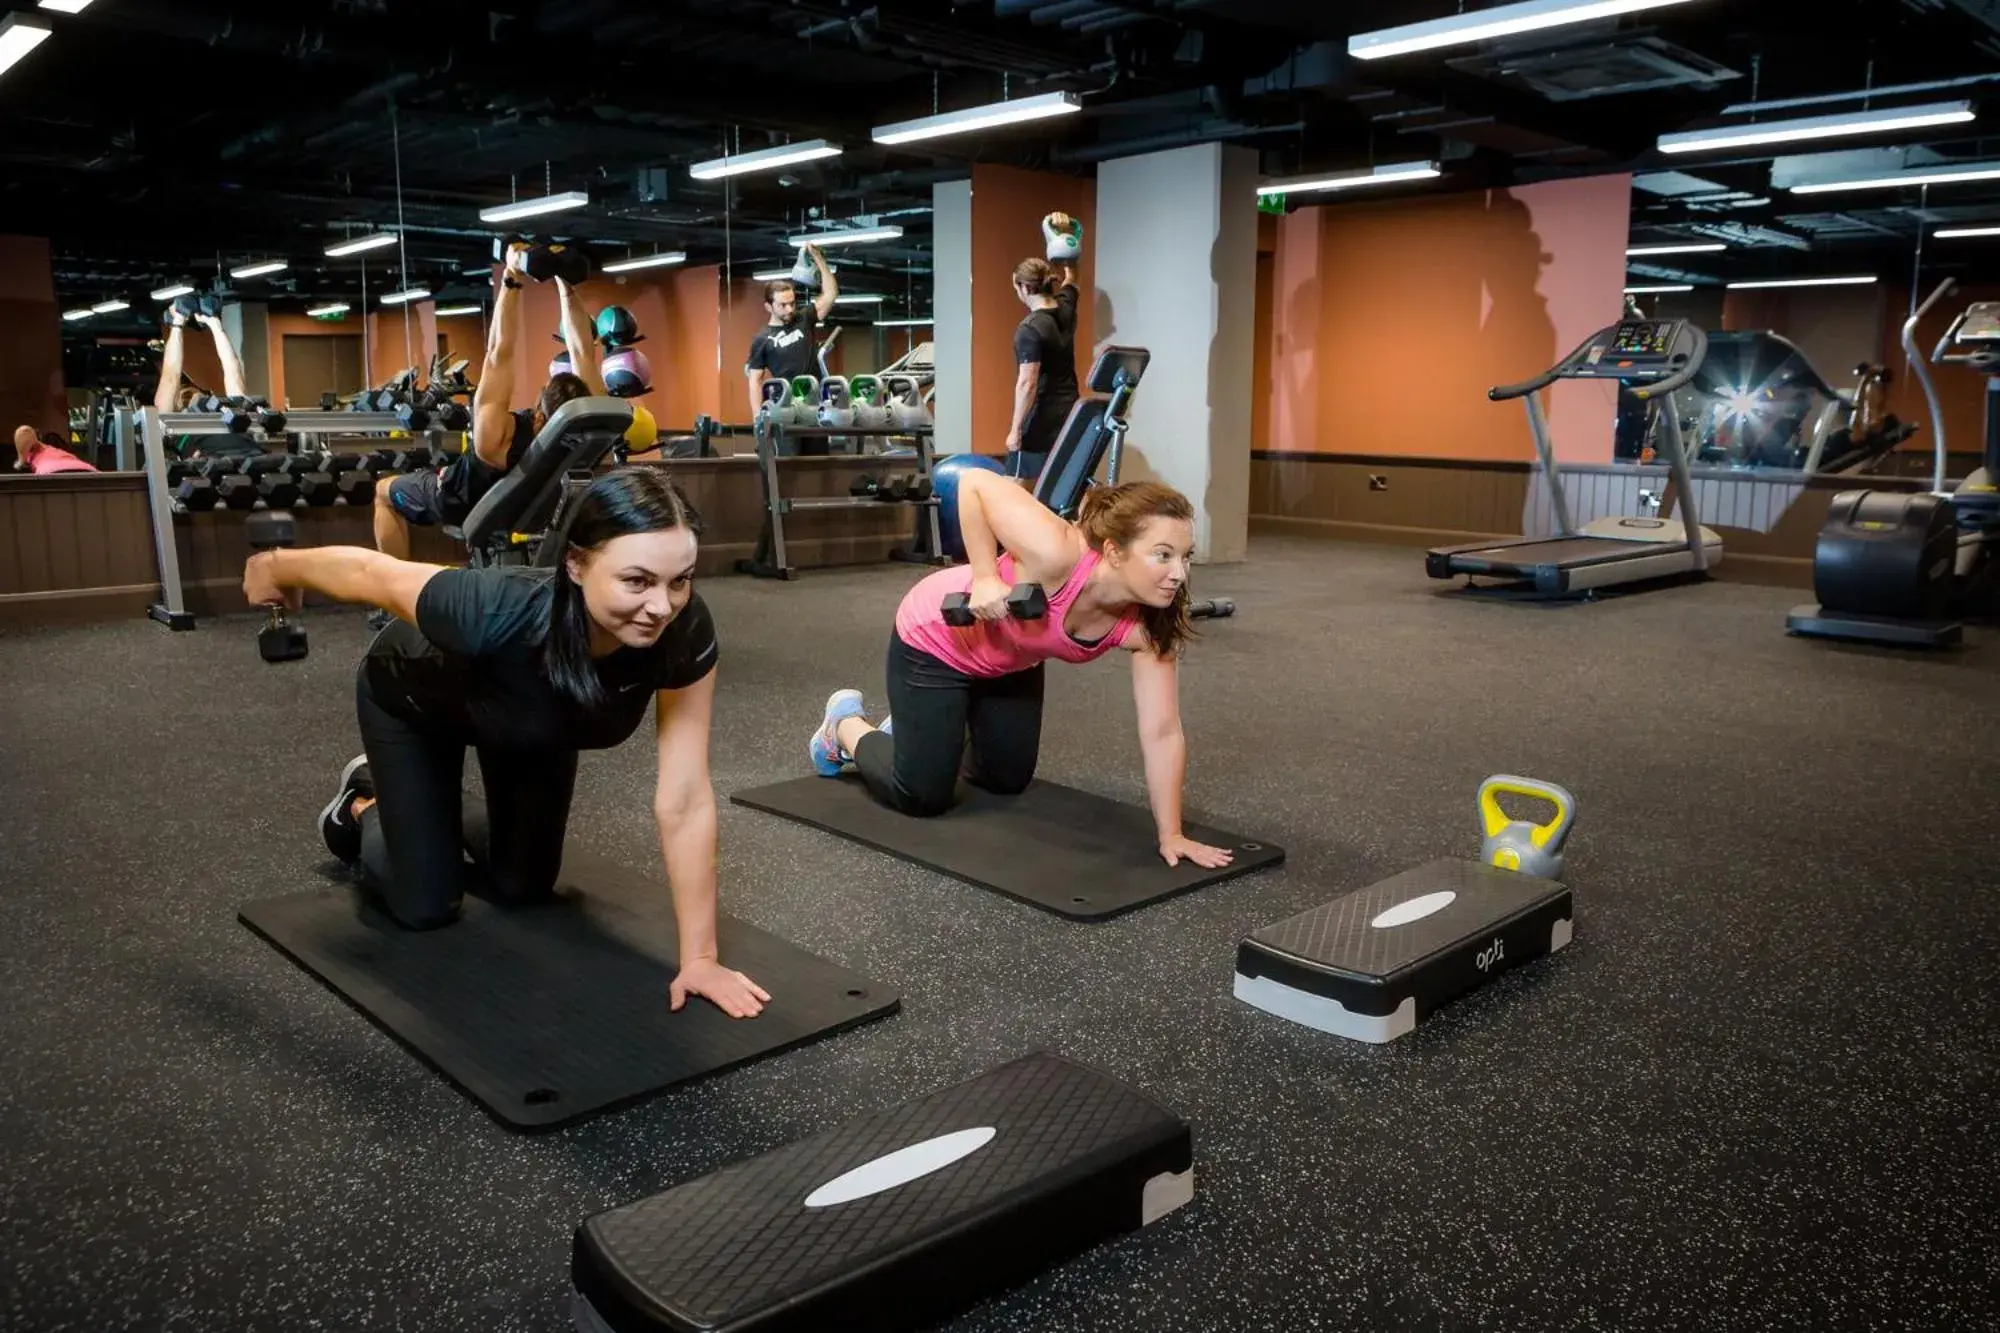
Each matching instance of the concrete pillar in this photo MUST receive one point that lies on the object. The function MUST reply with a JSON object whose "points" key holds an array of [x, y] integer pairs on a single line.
{"points": [[951, 309], [248, 325], [1176, 259]]}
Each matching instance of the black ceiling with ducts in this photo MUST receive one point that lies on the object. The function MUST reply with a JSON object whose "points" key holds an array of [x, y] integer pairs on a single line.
{"points": [[155, 143]]}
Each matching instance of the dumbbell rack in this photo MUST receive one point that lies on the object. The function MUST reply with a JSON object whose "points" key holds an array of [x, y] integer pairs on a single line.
{"points": [[155, 426], [772, 560]]}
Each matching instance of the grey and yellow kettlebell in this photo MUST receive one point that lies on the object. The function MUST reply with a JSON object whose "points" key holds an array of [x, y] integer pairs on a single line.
{"points": [[1519, 844]]}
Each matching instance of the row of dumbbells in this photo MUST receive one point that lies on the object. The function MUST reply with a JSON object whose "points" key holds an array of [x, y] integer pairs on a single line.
{"points": [[891, 489], [240, 414], [281, 481], [413, 412]]}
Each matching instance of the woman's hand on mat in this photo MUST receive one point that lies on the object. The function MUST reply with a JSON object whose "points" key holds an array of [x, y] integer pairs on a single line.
{"points": [[260, 583], [988, 598], [1207, 857], [724, 987]]}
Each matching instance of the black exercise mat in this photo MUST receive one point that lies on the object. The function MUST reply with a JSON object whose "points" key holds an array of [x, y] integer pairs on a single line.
{"points": [[552, 1013], [1070, 852]]}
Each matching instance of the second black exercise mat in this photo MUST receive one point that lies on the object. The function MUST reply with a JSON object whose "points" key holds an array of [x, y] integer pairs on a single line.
{"points": [[1068, 851], [552, 1013]]}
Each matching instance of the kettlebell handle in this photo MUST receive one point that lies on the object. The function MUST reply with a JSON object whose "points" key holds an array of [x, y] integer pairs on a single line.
{"points": [[1549, 836]]}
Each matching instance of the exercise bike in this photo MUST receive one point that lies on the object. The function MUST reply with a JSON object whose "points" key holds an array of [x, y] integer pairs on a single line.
{"points": [[1901, 567]]}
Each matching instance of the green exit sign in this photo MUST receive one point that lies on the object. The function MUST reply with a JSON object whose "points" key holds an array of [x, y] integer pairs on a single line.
{"points": [[1270, 203]]}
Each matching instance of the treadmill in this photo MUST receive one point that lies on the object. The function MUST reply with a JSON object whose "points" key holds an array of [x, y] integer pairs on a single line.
{"points": [[1651, 358]]}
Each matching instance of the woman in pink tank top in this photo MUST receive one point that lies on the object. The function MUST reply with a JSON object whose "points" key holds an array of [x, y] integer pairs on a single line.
{"points": [[1116, 578]]}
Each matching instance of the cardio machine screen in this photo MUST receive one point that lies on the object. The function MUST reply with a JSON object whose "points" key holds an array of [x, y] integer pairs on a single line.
{"points": [[1644, 338]]}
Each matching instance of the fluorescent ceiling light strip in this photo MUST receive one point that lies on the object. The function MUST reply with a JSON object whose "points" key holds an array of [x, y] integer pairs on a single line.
{"points": [[106, 307], [407, 294], [341, 249], [973, 118], [1857, 280], [764, 159], [1679, 248], [1665, 287], [1984, 171], [904, 323], [1486, 24], [168, 293], [444, 311], [859, 298], [19, 35], [1348, 180], [337, 308], [645, 261], [84, 313], [528, 208], [66, 6], [849, 236], [1956, 233], [259, 269], [770, 274], [1819, 127]]}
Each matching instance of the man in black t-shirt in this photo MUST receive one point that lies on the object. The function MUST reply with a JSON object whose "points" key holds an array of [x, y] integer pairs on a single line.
{"points": [[500, 435], [1045, 387], [788, 345]]}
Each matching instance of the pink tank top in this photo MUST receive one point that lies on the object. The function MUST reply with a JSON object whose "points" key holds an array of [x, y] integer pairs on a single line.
{"points": [[991, 648], [49, 459]]}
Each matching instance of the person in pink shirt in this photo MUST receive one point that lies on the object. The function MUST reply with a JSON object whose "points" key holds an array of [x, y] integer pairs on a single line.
{"points": [[45, 454], [1116, 578]]}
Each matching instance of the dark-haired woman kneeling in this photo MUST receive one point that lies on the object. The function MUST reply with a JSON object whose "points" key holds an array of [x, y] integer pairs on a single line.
{"points": [[1115, 578], [528, 667]]}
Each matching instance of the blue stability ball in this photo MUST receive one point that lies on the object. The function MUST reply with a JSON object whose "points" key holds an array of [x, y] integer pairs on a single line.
{"points": [[944, 479]]}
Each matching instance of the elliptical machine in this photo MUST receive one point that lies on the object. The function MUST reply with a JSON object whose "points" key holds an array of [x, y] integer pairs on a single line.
{"points": [[1901, 567]]}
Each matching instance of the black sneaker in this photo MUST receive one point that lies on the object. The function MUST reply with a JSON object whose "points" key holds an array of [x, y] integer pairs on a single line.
{"points": [[341, 830]]}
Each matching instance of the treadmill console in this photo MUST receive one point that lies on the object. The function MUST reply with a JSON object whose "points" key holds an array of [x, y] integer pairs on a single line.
{"points": [[1981, 324], [1637, 351]]}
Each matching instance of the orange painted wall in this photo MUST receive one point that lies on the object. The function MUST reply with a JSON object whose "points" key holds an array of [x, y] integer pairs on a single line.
{"points": [[31, 369], [742, 315], [1008, 206], [465, 335], [1390, 320], [400, 337]]}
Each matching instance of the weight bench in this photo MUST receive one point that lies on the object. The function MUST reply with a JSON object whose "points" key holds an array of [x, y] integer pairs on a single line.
{"points": [[509, 522], [1093, 435], [894, 1221]]}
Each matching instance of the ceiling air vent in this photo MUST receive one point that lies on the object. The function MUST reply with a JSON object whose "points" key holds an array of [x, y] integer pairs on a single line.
{"points": [[1573, 73]]}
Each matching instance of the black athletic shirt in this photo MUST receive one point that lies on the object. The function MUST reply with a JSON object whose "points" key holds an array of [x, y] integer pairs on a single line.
{"points": [[787, 350], [471, 666], [1048, 338]]}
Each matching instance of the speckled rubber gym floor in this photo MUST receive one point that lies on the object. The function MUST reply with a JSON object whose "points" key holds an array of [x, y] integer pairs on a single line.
{"points": [[1757, 1091]]}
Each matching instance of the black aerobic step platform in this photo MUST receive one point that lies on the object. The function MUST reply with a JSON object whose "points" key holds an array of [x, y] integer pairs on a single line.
{"points": [[1374, 963], [896, 1220]]}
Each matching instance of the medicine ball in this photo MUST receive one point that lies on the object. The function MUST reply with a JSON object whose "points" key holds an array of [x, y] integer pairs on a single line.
{"points": [[944, 481], [644, 432], [617, 327], [627, 374], [559, 364]]}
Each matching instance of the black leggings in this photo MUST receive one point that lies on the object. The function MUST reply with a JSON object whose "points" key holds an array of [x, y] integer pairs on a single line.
{"points": [[934, 709], [415, 838]]}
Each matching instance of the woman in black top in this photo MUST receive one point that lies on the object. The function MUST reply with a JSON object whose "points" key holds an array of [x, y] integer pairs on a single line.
{"points": [[528, 667], [1045, 354]]}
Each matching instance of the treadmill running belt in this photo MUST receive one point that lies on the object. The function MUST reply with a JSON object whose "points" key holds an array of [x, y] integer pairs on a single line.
{"points": [[1562, 551]]}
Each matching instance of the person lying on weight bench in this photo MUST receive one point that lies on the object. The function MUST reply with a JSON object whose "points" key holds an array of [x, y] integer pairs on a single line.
{"points": [[528, 666], [169, 396], [43, 454], [1119, 580], [499, 435]]}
